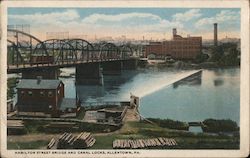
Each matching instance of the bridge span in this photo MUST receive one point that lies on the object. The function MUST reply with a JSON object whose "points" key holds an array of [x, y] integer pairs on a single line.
{"points": [[32, 57]]}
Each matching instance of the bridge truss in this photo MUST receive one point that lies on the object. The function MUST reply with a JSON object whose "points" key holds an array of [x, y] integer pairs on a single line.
{"points": [[25, 50]]}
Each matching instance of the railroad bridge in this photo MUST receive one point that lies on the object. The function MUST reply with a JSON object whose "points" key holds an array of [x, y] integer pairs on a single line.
{"points": [[32, 57]]}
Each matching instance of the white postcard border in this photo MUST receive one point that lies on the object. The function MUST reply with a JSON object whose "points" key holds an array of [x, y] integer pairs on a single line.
{"points": [[244, 85]]}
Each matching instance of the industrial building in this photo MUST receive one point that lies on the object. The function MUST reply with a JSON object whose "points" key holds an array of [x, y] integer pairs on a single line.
{"points": [[177, 48], [40, 96]]}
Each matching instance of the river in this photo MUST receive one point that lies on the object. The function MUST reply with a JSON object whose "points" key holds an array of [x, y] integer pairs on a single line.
{"points": [[213, 94]]}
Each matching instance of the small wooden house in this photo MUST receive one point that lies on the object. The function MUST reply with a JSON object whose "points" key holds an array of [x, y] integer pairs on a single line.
{"points": [[40, 95]]}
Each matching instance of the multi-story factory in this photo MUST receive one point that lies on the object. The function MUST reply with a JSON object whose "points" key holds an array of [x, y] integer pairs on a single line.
{"points": [[178, 48]]}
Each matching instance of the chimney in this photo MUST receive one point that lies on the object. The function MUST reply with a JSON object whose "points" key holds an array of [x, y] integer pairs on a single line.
{"points": [[174, 32], [39, 79], [215, 35]]}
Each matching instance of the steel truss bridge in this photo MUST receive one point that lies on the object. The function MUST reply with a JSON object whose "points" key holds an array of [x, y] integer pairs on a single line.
{"points": [[25, 51]]}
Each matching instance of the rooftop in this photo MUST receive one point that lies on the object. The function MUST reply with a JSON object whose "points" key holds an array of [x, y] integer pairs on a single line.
{"points": [[38, 84]]}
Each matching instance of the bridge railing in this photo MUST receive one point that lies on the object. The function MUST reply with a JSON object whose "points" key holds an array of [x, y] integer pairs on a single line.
{"points": [[58, 51]]}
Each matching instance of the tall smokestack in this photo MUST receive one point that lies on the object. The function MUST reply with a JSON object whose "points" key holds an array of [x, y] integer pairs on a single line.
{"points": [[174, 31], [215, 35]]}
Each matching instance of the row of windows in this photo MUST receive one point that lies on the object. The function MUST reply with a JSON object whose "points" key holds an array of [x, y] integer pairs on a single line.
{"points": [[186, 47], [42, 93], [176, 45]]}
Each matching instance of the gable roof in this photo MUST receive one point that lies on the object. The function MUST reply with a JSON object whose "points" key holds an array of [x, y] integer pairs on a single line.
{"points": [[38, 84]]}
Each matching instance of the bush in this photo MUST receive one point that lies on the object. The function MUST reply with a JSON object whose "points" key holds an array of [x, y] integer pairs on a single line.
{"points": [[212, 125], [226, 54], [11, 83], [201, 58], [171, 124]]}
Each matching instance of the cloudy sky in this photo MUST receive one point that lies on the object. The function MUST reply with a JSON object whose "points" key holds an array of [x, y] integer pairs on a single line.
{"points": [[155, 23]]}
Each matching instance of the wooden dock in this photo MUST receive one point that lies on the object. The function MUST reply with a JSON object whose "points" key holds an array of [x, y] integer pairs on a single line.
{"points": [[143, 143]]}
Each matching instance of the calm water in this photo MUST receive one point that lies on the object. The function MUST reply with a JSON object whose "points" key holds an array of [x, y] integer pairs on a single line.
{"points": [[213, 94]]}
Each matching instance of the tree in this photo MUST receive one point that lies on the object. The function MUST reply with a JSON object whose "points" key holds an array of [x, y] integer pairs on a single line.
{"points": [[201, 58], [226, 59]]}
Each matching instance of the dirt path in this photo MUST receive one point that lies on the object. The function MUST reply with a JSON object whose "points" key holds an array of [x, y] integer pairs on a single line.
{"points": [[131, 115]]}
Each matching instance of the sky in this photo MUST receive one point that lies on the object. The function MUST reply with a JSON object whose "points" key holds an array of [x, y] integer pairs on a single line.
{"points": [[136, 23]]}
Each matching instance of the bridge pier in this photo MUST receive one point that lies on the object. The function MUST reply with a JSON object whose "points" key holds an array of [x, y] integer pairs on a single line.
{"points": [[130, 64], [45, 73], [112, 68], [89, 74]]}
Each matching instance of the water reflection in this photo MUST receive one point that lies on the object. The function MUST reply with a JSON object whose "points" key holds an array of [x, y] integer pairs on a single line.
{"points": [[211, 94], [196, 129], [111, 87], [196, 103], [218, 82], [222, 72]]}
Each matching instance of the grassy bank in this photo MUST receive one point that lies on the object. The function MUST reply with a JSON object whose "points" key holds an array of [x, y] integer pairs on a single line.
{"points": [[171, 124], [27, 145], [136, 130], [35, 127], [11, 83], [185, 140]]}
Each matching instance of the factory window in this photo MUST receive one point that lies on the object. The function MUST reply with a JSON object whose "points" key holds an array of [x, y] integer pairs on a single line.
{"points": [[42, 93], [30, 93], [50, 94]]}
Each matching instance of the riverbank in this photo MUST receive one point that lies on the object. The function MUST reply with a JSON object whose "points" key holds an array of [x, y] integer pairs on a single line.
{"points": [[161, 103], [134, 130], [190, 65]]}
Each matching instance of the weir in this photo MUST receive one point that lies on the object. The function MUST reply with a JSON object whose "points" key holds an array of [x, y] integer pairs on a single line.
{"points": [[186, 75], [162, 83]]}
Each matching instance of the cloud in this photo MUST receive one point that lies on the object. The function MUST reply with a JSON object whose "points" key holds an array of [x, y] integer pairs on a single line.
{"points": [[130, 21], [133, 24], [70, 20], [121, 18], [188, 15], [46, 18], [225, 17]]}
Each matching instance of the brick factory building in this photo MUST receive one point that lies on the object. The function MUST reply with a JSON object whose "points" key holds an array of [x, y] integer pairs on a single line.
{"points": [[178, 48]]}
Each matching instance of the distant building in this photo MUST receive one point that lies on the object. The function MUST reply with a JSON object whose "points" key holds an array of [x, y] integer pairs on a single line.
{"points": [[215, 34], [178, 48], [39, 95]]}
